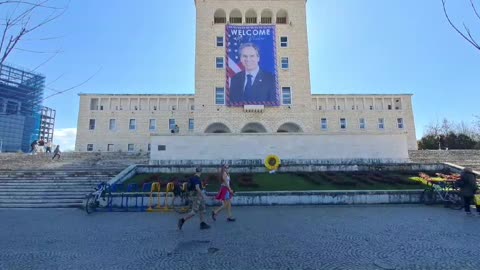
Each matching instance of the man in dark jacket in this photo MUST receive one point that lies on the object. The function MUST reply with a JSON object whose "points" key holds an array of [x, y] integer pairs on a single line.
{"points": [[468, 188]]}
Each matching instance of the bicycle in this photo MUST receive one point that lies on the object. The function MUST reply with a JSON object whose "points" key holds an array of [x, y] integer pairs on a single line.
{"points": [[93, 199], [444, 192], [181, 202]]}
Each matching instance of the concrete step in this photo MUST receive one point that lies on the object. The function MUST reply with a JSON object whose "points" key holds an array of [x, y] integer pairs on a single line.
{"points": [[41, 201], [43, 205], [52, 182], [47, 184], [15, 197], [58, 189], [46, 193]]}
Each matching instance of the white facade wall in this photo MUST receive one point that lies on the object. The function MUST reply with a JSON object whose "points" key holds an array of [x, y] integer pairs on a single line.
{"points": [[392, 147]]}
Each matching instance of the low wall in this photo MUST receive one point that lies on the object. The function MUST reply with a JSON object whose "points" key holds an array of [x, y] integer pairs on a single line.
{"points": [[257, 167], [465, 158], [377, 148], [299, 198]]}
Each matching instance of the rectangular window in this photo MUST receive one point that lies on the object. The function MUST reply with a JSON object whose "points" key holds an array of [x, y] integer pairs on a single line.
{"points": [[284, 42], [94, 104], [343, 123], [324, 124], [266, 20], [219, 62], [162, 148], [219, 41], [152, 124], [171, 124], [191, 124], [110, 148], [286, 96], [381, 123], [130, 147], [132, 124], [389, 106], [89, 147], [91, 124], [219, 96], [400, 122], [362, 123], [112, 124], [285, 63], [149, 147]]}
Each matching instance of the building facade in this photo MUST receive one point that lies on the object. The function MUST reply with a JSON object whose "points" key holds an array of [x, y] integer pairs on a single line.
{"points": [[229, 35]]}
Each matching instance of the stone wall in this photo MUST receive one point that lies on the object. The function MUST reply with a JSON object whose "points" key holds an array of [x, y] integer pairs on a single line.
{"points": [[464, 158]]}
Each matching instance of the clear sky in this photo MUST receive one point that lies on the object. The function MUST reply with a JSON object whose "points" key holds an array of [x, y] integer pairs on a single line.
{"points": [[356, 47]]}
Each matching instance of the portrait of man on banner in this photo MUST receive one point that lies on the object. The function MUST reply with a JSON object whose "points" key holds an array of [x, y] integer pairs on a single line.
{"points": [[251, 66]]}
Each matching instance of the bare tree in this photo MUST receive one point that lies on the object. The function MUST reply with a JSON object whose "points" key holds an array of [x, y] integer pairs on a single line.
{"points": [[21, 20], [466, 34]]}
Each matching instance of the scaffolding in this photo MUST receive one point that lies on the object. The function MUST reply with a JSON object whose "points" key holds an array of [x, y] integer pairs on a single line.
{"points": [[21, 95], [47, 124]]}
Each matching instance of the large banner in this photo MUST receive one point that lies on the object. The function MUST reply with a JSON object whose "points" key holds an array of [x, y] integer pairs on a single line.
{"points": [[252, 77]]}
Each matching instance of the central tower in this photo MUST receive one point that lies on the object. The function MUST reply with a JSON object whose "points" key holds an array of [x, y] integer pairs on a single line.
{"points": [[251, 67]]}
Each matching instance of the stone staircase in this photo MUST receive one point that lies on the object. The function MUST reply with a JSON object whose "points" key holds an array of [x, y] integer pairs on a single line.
{"points": [[38, 182], [45, 189]]}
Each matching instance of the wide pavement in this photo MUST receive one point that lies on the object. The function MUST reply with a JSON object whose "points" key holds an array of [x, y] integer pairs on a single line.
{"points": [[277, 237]]}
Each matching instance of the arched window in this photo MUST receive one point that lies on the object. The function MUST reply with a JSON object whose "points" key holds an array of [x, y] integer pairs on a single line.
{"points": [[217, 128], [251, 16], [282, 16], [220, 16], [254, 128], [235, 16], [266, 16], [290, 128]]}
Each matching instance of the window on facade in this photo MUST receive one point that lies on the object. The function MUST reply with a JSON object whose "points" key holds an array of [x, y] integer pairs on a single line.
{"points": [[173, 107], [251, 20], [389, 106], [371, 107], [191, 124], [219, 96], [192, 107], [110, 148], [323, 123], [171, 124], [2, 105], [319, 108], [285, 63], [89, 147], [91, 124], [130, 147], [219, 41], [400, 122], [132, 124], [94, 104], [343, 123], [284, 42], [112, 124], [149, 147], [12, 107], [381, 123], [152, 124], [266, 20], [220, 16], [219, 62], [286, 96], [362, 123], [235, 19]]}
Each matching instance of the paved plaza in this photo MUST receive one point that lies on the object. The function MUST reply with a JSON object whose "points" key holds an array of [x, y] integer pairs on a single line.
{"points": [[313, 237]]}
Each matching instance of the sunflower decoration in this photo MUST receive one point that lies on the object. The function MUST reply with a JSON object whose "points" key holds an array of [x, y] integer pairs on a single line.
{"points": [[272, 162]]}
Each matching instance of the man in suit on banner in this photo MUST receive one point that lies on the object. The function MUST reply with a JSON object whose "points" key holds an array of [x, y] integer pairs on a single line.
{"points": [[253, 85]]}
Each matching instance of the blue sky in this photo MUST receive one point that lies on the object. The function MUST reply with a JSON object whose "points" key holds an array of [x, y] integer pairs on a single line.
{"points": [[356, 47]]}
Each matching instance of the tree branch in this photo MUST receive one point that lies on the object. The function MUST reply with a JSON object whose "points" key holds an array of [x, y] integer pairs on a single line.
{"points": [[474, 9], [456, 29]]}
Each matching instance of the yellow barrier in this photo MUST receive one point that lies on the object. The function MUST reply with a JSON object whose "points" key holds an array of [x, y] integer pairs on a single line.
{"points": [[155, 186], [165, 207]]}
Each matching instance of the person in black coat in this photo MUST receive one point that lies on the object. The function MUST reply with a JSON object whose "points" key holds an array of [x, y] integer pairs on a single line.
{"points": [[253, 85], [468, 188]]}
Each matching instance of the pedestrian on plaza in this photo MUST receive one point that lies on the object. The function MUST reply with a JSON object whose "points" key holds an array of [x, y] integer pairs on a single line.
{"points": [[33, 146], [468, 188], [56, 152], [48, 147], [198, 197], [225, 195]]}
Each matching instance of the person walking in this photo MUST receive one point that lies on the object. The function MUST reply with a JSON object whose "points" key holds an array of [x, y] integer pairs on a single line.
{"points": [[225, 195], [56, 152], [198, 197], [468, 188], [48, 146]]}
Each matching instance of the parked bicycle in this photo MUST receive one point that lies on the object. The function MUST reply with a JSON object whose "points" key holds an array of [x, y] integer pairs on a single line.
{"points": [[92, 202], [445, 192]]}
